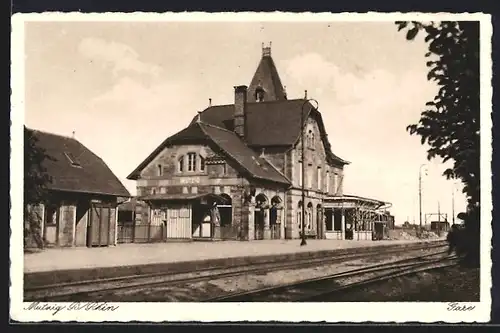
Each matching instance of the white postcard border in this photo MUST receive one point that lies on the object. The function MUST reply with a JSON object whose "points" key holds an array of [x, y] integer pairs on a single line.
{"points": [[210, 312]]}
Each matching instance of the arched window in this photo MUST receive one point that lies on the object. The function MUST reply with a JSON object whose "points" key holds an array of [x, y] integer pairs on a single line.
{"points": [[259, 94], [312, 140], [309, 215], [275, 210], [160, 170], [180, 164]]}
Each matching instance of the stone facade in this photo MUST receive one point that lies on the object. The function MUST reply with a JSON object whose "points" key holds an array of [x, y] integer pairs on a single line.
{"points": [[165, 175], [173, 173]]}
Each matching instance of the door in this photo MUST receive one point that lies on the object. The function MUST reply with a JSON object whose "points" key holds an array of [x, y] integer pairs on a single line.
{"points": [[259, 224], [99, 227], [206, 227], [179, 222]]}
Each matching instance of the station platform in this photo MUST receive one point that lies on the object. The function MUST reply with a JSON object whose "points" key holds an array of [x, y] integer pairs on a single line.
{"points": [[55, 259], [74, 264]]}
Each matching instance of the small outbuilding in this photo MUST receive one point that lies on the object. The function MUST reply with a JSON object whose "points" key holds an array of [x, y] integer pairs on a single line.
{"points": [[83, 195]]}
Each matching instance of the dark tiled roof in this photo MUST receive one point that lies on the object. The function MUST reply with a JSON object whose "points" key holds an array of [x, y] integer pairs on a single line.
{"points": [[233, 146], [94, 176], [268, 78], [275, 123], [228, 143]]}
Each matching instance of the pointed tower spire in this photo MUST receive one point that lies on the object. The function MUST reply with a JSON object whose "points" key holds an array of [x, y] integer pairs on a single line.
{"points": [[266, 84]]}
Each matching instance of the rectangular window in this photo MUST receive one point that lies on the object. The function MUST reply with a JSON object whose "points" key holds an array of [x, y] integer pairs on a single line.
{"points": [[191, 162], [163, 190], [160, 170], [202, 163], [301, 176], [319, 178], [327, 181], [334, 183], [51, 215], [309, 176], [224, 169], [337, 220], [329, 220]]}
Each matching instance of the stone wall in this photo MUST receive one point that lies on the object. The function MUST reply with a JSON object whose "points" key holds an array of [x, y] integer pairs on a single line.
{"points": [[67, 220]]}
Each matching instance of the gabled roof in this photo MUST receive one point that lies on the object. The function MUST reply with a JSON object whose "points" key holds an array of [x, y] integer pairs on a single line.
{"points": [[274, 123], [226, 143], [88, 174], [266, 76]]}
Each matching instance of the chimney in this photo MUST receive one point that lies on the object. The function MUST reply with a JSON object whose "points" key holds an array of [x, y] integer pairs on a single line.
{"points": [[240, 105]]}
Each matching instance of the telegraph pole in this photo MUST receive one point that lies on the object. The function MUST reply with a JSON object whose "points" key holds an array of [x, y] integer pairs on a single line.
{"points": [[420, 195], [439, 220], [303, 167]]}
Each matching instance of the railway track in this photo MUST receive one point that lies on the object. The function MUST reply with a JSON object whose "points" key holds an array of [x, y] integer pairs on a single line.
{"points": [[92, 289], [325, 288]]}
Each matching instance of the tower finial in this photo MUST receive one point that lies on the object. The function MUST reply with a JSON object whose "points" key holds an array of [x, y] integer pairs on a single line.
{"points": [[209, 102], [305, 94], [73, 134]]}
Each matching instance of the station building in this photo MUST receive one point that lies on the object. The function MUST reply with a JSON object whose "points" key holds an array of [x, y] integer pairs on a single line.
{"points": [[235, 172]]}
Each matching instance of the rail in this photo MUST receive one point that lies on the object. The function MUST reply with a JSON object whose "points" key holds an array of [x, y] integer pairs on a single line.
{"points": [[318, 289]]}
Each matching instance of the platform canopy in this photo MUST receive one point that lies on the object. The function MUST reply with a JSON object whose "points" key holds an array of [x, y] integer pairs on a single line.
{"points": [[201, 198], [353, 201]]}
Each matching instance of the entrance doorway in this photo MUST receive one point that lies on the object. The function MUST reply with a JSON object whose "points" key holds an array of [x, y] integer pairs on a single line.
{"points": [[261, 204]]}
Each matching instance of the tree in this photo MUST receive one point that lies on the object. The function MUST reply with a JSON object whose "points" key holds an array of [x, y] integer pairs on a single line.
{"points": [[450, 124], [36, 180]]}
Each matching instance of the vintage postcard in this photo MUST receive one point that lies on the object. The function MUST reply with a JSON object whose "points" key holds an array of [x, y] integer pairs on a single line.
{"points": [[215, 167]]}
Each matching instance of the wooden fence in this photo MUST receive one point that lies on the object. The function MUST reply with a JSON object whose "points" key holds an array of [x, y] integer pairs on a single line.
{"points": [[141, 233]]}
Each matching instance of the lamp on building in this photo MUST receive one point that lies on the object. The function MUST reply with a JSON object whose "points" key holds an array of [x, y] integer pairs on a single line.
{"points": [[302, 146]]}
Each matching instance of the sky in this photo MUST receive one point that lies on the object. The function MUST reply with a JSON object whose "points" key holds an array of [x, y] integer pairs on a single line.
{"points": [[123, 87]]}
